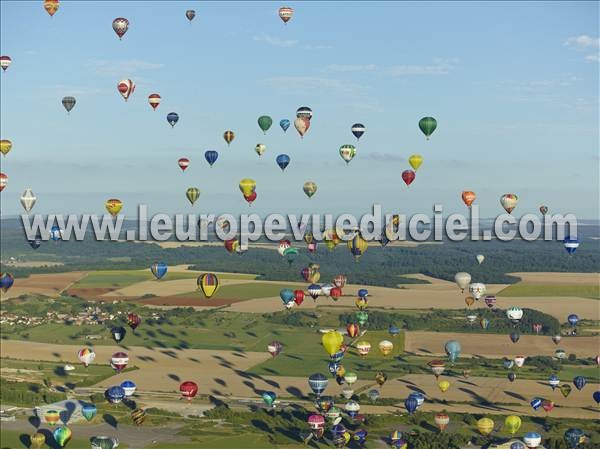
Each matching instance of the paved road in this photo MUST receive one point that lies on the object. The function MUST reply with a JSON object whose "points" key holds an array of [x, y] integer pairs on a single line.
{"points": [[135, 437]]}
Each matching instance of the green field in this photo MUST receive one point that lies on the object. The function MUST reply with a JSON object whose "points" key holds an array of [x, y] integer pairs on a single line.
{"points": [[248, 290], [535, 290], [11, 439], [124, 278]]}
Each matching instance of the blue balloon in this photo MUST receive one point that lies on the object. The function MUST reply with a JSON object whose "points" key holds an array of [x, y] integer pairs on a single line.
{"points": [[129, 387], [393, 330], [338, 429], [285, 124], [517, 445], [579, 382], [159, 269], [573, 437], [114, 395], [333, 367], [89, 411], [363, 293], [573, 319], [420, 397], [55, 233], [508, 364], [360, 436], [172, 118], [211, 156], [287, 295], [554, 381], [36, 242], [411, 404], [317, 383], [6, 281], [453, 349], [536, 403], [571, 244], [338, 356], [283, 160], [596, 396]]}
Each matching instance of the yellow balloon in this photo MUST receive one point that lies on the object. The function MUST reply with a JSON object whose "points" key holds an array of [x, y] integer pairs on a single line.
{"points": [[332, 341], [247, 186], [443, 385], [113, 206], [37, 440], [512, 424], [485, 426], [357, 246], [415, 161], [314, 277], [5, 146], [386, 347]]}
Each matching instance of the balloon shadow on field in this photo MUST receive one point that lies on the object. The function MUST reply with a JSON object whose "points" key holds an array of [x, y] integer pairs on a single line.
{"points": [[34, 421], [252, 387], [25, 440], [110, 420], [50, 441], [295, 392], [261, 425], [515, 395], [220, 381], [66, 414], [60, 371], [271, 383], [174, 377]]}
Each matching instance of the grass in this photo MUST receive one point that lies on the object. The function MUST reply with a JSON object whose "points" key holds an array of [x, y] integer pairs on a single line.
{"points": [[538, 290], [124, 278], [12, 439], [245, 291]]}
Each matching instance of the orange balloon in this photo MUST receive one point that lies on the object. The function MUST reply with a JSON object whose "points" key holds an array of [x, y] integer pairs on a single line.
{"points": [[468, 197]]}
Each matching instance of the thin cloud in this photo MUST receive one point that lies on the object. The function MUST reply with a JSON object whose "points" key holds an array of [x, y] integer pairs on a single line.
{"points": [[345, 68], [121, 67], [312, 83], [592, 58], [385, 157], [275, 41], [439, 67], [583, 42]]}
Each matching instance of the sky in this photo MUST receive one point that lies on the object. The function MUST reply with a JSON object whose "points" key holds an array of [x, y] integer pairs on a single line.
{"points": [[513, 86]]}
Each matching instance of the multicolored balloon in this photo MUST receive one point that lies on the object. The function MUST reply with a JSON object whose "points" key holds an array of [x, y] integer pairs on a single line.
{"points": [[120, 26]]}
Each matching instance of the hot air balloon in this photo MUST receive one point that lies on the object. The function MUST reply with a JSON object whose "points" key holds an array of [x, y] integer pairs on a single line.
{"points": [[190, 14], [302, 125], [352, 330], [298, 297], [172, 118], [284, 124], [126, 87], [56, 233], [37, 440], [86, 356], [208, 283], [427, 125], [547, 405], [362, 317], [6, 281], [89, 411], [264, 123], [269, 398], [62, 435], [363, 348], [573, 319], [415, 161], [543, 209], [480, 258], [247, 186], [103, 442], [51, 417], [154, 100], [514, 314], [536, 403], [556, 339], [283, 161], [304, 112], [28, 200], [579, 382], [5, 62], [574, 437], [358, 246], [553, 381], [477, 290], [192, 194], [286, 13], [386, 347], [274, 348], [228, 136], [138, 416], [443, 385], [408, 176], [358, 129], [332, 341], [532, 440], [211, 156], [560, 354], [511, 376], [437, 367], [129, 388], [347, 152], [519, 361], [68, 103], [484, 323], [411, 405], [114, 395], [118, 334], [514, 337], [183, 163], [120, 26], [441, 420], [119, 361], [509, 201], [462, 279], [571, 244], [188, 389], [596, 396], [5, 146], [314, 290], [287, 297], [260, 148], [310, 188], [485, 426], [512, 424], [158, 269], [452, 348], [393, 330], [380, 378], [352, 408], [51, 6], [468, 197], [317, 383], [113, 206], [3, 181], [133, 320]]}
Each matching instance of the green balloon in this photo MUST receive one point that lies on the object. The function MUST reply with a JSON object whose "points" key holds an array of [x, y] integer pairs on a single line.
{"points": [[265, 122], [62, 435], [427, 125]]}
